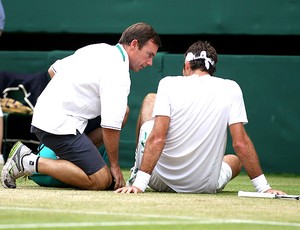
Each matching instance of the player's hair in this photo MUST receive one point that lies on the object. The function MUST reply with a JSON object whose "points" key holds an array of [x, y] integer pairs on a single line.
{"points": [[141, 32], [211, 53]]}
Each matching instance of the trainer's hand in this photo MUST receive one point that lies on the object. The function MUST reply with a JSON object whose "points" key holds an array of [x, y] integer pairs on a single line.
{"points": [[276, 192], [118, 176], [128, 189]]}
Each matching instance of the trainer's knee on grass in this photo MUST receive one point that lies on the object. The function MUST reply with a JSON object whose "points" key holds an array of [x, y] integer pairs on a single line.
{"points": [[100, 180], [234, 163]]}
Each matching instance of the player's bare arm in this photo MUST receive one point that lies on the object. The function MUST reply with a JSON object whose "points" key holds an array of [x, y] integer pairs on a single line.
{"points": [[247, 154]]}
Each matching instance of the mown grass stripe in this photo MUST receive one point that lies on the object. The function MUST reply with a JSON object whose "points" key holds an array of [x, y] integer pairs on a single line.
{"points": [[99, 213], [183, 220]]}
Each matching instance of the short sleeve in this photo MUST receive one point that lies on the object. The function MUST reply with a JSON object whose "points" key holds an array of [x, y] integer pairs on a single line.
{"points": [[237, 110], [162, 102]]}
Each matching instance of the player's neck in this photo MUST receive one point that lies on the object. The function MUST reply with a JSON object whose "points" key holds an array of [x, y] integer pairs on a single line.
{"points": [[200, 73]]}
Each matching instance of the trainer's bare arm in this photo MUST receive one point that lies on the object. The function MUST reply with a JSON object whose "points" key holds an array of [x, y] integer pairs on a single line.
{"points": [[111, 139], [246, 152], [153, 149]]}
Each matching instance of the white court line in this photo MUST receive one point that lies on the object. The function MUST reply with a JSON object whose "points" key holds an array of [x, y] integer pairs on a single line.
{"points": [[141, 223], [187, 220]]}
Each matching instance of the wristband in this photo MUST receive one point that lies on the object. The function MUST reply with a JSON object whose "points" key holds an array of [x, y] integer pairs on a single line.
{"points": [[141, 180], [260, 183]]}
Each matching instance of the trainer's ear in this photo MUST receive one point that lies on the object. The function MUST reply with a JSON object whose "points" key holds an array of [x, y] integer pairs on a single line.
{"points": [[134, 43]]}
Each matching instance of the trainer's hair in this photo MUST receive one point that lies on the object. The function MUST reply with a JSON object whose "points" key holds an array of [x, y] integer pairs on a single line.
{"points": [[141, 32], [196, 49]]}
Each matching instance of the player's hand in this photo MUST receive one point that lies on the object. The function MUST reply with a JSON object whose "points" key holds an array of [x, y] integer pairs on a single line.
{"points": [[276, 192], [128, 189], [118, 176]]}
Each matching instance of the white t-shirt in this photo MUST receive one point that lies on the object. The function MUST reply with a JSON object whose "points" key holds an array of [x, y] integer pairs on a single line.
{"points": [[200, 110], [94, 81]]}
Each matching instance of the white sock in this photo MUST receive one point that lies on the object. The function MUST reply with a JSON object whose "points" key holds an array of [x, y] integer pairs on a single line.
{"points": [[145, 131], [30, 163]]}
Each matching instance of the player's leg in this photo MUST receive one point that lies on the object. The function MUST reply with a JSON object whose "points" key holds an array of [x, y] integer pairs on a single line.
{"points": [[234, 163], [145, 112], [144, 126], [231, 167]]}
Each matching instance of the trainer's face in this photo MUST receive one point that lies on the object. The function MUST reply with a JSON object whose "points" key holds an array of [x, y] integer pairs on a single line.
{"points": [[142, 57]]}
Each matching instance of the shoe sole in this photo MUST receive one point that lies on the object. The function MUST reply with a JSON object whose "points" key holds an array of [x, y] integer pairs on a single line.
{"points": [[10, 156]]}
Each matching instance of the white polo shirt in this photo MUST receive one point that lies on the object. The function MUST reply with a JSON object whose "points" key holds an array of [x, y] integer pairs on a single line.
{"points": [[200, 110], [94, 81]]}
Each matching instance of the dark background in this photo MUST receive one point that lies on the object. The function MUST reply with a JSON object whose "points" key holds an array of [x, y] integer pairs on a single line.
{"points": [[224, 44]]}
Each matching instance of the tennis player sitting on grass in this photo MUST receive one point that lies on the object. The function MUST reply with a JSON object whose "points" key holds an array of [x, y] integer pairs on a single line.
{"points": [[184, 130]]}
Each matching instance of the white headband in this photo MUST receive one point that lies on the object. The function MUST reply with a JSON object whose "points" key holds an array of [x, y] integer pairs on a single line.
{"points": [[190, 57]]}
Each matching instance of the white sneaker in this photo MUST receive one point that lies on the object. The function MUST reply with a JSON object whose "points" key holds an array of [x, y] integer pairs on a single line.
{"points": [[14, 169]]}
